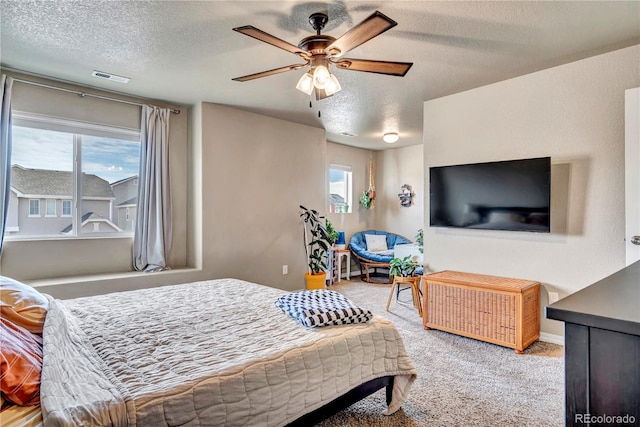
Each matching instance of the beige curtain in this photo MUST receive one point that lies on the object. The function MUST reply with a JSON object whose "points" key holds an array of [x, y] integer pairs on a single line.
{"points": [[152, 238], [5, 151]]}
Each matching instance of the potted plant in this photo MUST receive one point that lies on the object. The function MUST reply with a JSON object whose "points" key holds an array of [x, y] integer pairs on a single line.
{"points": [[420, 240], [333, 233], [402, 267], [317, 242], [402, 271], [365, 200]]}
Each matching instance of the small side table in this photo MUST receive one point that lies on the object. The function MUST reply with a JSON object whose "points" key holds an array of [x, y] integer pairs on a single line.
{"points": [[347, 254], [414, 281]]}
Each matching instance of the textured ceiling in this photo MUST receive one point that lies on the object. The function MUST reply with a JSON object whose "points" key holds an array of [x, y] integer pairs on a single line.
{"points": [[185, 52]]}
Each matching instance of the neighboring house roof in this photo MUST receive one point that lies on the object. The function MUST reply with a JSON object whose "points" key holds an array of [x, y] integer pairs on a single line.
{"points": [[122, 181], [132, 201], [56, 183], [89, 217], [335, 198]]}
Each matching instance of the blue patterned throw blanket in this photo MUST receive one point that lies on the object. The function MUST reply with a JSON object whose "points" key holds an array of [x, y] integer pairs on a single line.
{"points": [[322, 308]]}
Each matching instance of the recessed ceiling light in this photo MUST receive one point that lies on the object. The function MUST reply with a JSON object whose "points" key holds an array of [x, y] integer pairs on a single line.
{"points": [[109, 76], [390, 137]]}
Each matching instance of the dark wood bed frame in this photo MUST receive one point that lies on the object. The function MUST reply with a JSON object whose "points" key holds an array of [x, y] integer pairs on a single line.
{"points": [[344, 401]]}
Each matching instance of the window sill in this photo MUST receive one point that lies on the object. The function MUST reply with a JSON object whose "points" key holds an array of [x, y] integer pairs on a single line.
{"points": [[86, 236], [71, 280]]}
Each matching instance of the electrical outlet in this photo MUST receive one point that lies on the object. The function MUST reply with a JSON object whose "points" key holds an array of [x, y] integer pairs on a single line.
{"points": [[285, 269], [553, 297]]}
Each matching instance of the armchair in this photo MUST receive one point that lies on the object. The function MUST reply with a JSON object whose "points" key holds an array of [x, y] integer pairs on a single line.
{"points": [[374, 260]]}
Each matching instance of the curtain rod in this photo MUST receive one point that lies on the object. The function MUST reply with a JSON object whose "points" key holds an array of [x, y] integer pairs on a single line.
{"points": [[83, 94]]}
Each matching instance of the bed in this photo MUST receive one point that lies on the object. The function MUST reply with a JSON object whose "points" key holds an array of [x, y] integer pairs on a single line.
{"points": [[216, 352]]}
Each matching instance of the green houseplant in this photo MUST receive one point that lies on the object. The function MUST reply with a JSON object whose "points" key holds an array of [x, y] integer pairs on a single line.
{"points": [[365, 200], [316, 244], [403, 267], [333, 233]]}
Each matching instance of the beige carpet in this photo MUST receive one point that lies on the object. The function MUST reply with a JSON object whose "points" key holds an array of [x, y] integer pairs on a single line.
{"points": [[461, 381]]}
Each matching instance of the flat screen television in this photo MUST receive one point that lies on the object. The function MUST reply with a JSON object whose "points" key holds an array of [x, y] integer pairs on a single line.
{"points": [[510, 195]]}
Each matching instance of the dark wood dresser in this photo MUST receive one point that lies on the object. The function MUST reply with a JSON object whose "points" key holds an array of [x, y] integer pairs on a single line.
{"points": [[602, 350]]}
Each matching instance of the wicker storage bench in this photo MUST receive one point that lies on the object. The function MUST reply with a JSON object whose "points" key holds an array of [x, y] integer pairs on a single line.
{"points": [[498, 310]]}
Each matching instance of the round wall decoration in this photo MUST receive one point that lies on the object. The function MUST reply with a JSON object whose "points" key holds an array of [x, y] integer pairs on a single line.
{"points": [[406, 196]]}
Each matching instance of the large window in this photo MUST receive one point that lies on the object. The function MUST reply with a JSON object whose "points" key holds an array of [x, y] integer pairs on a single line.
{"points": [[340, 188], [86, 169]]}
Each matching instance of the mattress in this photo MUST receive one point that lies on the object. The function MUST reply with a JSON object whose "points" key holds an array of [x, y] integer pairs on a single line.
{"points": [[216, 352]]}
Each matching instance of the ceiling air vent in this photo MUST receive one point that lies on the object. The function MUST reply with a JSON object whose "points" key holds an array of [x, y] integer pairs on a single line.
{"points": [[107, 76]]}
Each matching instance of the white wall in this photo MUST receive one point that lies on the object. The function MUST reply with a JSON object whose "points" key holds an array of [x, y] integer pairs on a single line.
{"points": [[573, 113], [256, 172], [397, 167]]}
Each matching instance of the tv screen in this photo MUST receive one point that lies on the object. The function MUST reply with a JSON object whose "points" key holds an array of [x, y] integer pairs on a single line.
{"points": [[507, 195]]}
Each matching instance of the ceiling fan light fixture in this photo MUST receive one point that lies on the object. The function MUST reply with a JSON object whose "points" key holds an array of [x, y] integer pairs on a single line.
{"points": [[305, 84], [390, 137], [333, 85], [321, 77]]}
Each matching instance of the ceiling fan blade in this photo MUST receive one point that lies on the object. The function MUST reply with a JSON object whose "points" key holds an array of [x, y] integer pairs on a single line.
{"points": [[270, 72], [371, 27], [272, 40], [380, 67]]}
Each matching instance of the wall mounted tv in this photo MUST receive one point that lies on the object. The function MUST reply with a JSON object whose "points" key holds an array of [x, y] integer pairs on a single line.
{"points": [[507, 195]]}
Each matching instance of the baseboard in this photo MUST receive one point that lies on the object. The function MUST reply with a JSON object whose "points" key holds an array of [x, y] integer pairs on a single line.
{"points": [[552, 338]]}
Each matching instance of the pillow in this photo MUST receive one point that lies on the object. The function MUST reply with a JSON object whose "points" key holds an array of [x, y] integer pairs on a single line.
{"points": [[376, 242], [20, 364], [22, 305]]}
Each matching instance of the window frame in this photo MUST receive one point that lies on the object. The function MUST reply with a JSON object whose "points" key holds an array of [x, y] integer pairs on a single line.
{"points": [[77, 129], [47, 204], [63, 202], [34, 215], [347, 170]]}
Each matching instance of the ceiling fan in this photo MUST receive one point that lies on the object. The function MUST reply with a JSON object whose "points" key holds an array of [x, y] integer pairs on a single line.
{"points": [[319, 51]]}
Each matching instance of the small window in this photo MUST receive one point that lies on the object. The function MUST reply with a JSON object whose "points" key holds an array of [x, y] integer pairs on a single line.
{"points": [[340, 200], [51, 207], [34, 207], [66, 208]]}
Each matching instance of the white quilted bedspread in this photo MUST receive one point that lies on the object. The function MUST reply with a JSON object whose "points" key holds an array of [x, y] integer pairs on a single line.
{"points": [[214, 353]]}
